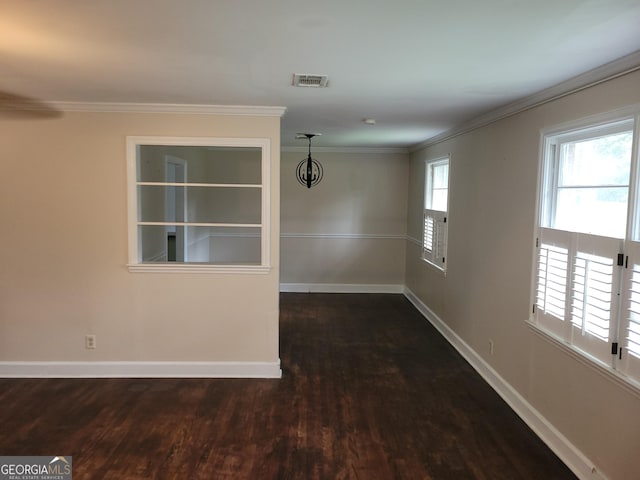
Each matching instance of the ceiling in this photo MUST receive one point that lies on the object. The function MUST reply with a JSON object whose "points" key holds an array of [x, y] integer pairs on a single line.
{"points": [[418, 67]]}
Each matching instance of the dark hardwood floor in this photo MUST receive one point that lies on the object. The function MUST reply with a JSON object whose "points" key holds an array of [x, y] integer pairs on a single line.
{"points": [[369, 391]]}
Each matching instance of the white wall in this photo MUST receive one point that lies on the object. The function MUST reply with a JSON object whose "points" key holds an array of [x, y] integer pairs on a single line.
{"points": [[349, 229], [64, 252], [486, 293]]}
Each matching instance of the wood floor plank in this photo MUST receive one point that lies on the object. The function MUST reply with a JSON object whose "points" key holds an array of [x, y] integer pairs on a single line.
{"points": [[369, 391]]}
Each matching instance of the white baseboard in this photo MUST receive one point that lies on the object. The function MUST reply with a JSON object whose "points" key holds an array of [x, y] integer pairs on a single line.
{"points": [[581, 466], [339, 288], [140, 370]]}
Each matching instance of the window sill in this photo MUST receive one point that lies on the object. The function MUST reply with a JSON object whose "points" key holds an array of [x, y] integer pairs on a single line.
{"points": [[433, 266], [629, 384], [199, 268]]}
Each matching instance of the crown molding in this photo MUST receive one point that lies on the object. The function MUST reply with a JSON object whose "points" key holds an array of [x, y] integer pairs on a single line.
{"points": [[367, 150], [609, 71], [104, 107]]}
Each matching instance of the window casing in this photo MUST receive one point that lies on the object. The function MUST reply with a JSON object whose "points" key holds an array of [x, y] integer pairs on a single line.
{"points": [[587, 262], [435, 216], [198, 204]]}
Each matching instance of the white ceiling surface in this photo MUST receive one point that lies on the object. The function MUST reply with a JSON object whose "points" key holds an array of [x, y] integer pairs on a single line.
{"points": [[419, 67]]}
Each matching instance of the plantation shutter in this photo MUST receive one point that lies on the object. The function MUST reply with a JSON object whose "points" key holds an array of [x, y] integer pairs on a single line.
{"points": [[552, 284], [577, 289], [595, 293], [434, 244], [629, 358]]}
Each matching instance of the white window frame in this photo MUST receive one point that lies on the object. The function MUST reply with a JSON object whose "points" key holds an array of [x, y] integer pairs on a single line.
{"points": [[172, 204], [435, 226], [570, 251], [551, 159], [136, 265]]}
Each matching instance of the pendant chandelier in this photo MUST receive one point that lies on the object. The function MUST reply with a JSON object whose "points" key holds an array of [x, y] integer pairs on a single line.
{"points": [[309, 171]]}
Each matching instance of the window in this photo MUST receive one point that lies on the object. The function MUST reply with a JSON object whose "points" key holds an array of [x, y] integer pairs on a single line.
{"points": [[198, 204], [587, 283], [588, 175], [436, 198]]}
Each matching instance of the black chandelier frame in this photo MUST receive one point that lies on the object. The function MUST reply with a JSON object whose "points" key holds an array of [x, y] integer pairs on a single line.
{"points": [[309, 171]]}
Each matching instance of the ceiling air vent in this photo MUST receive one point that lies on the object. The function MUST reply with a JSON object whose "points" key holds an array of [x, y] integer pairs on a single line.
{"points": [[307, 80]]}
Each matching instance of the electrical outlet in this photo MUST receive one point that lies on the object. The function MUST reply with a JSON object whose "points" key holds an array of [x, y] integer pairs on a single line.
{"points": [[491, 346], [90, 342]]}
